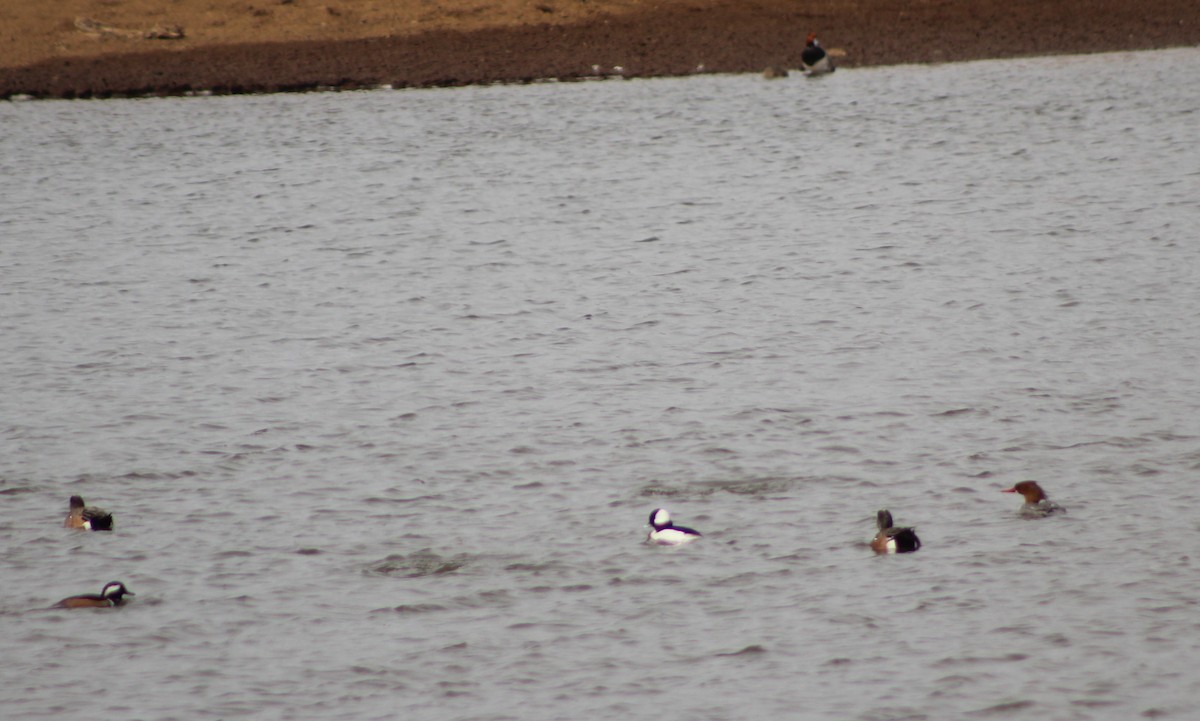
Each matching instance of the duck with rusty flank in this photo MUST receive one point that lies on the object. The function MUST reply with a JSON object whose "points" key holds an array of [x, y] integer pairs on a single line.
{"points": [[113, 594], [89, 518], [892, 538]]}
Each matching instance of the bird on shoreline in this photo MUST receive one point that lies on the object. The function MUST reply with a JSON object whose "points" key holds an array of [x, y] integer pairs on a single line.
{"points": [[87, 517], [893, 539], [666, 533], [113, 594], [814, 60], [1036, 504]]}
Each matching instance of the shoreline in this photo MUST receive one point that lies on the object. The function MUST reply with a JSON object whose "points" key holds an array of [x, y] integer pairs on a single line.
{"points": [[675, 38]]}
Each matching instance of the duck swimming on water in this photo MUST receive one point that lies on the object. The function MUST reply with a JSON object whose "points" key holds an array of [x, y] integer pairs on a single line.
{"points": [[893, 539], [666, 533], [113, 594], [87, 517], [1036, 503]]}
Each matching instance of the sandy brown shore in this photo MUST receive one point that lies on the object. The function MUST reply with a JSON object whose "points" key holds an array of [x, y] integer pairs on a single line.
{"points": [[105, 48]]}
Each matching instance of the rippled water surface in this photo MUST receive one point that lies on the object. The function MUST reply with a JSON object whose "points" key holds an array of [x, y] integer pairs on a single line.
{"points": [[382, 387]]}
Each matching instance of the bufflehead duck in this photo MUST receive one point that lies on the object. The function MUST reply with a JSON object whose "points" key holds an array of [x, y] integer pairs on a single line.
{"points": [[1036, 504], [86, 517], [113, 594], [891, 539], [666, 533], [813, 60]]}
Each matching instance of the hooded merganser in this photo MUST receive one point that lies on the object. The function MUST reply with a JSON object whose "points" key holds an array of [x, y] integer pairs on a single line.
{"points": [[814, 60], [1036, 504], [666, 533], [891, 539], [88, 518], [113, 594]]}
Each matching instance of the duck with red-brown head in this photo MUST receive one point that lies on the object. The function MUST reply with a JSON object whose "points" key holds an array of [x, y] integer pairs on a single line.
{"points": [[814, 60], [1036, 505]]}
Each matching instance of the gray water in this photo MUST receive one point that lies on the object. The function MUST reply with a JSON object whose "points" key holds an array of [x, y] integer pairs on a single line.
{"points": [[381, 388]]}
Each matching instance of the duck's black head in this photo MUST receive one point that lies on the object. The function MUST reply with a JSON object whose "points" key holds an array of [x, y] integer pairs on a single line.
{"points": [[114, 591]]}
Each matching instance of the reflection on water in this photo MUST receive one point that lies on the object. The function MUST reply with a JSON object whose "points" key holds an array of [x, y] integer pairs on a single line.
{"points": [[382, 386]]}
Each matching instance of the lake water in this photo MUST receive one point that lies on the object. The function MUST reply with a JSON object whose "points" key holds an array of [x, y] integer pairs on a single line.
{"points": [[381, 388]]}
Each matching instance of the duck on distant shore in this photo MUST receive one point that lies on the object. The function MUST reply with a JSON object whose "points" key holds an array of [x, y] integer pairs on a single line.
{"points": [[87, 517], [113, 594], [814, 60], [1036, 503], [666, 533], [893, 539]]}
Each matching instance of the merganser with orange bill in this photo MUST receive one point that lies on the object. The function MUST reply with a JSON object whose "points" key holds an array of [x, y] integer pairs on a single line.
{"points": [[893, 539], [813, 59], [666, 533], [1036, 504]]}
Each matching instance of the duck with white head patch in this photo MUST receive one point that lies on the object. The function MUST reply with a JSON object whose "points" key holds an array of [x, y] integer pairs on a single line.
{"points": [[666, 533], [113, 594]]}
